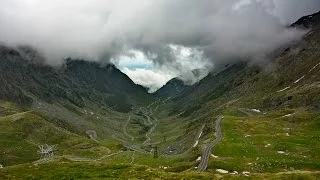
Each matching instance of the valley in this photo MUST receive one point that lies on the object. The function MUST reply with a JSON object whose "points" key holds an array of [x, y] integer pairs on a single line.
{"points": [[286, 149], [245, 121]]}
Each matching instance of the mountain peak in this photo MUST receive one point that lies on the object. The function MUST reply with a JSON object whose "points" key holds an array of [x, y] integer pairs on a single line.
{"points": [[308, 21], [182, 83]]}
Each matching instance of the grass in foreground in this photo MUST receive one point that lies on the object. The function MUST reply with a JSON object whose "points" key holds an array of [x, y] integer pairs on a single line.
{"points": [[72, 170], [269, 143]]}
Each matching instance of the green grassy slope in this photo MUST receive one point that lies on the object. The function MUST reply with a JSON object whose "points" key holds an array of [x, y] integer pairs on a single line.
{"points": [[22, 132]]}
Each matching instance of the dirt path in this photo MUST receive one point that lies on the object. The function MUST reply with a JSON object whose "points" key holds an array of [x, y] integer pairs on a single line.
{"points": [[199, 135], [92, 134], [132, 157], [81, 159]]}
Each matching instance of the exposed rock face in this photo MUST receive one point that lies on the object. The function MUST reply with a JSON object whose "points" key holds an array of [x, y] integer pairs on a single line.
{"points": [[25, 77]]}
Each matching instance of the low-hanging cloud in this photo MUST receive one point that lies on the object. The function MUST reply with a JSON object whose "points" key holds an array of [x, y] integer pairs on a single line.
{"points": [[223, 30], [150, 79]]}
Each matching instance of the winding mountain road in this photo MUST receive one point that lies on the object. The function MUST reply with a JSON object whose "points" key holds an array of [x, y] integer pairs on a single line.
{"points": [[130, 146], [148, 114], [125, 129], [148, 133], [206, 154]]}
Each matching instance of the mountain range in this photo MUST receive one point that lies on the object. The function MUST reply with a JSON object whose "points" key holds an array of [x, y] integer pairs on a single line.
{"points": [[103, 125]]}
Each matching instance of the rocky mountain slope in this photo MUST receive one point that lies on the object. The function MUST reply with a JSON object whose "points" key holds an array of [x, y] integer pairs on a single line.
{"points": [[26, 78], [290, 80], [172, 88], [180, 84]]}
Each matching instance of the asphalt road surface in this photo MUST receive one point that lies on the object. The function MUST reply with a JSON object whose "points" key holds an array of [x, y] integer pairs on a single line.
{"points": [[206, 154]]}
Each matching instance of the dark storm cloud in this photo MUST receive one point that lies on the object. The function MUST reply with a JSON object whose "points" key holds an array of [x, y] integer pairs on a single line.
{"points": [[100, 30]]}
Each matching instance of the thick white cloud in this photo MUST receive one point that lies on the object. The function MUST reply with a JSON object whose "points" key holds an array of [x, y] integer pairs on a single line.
{"points": [[221, 30], [100, 29]]}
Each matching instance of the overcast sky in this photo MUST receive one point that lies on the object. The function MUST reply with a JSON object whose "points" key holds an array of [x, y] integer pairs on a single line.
{"points": [[153, 40]]}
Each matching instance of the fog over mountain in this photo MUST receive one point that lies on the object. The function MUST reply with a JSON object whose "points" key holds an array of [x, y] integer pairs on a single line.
{"points": [[214, 31]]}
